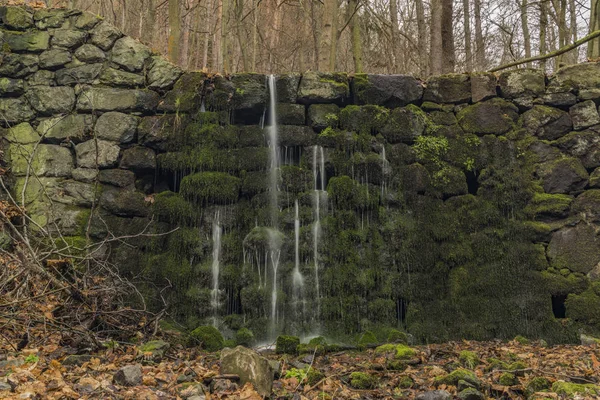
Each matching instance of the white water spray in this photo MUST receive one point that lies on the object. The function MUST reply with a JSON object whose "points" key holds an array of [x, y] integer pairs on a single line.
{"points": [[318, 172], [216, 262]]}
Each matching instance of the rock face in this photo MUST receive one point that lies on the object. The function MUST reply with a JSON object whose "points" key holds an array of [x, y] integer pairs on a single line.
{"points": [[250, 367], [495, 117], [386, 90]]}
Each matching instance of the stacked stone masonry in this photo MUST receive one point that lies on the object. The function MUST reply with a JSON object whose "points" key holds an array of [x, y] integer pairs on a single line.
{"points": [[93, 119]]}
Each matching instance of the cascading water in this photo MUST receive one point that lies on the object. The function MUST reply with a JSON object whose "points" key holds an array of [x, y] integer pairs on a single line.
{"points": [[318, 172], [297, 278], [216, 260]]}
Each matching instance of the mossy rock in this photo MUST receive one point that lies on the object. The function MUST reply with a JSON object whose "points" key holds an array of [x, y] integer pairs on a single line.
{"points": [[171, 207], [244, 337], [363, 119], [154, 349], [208, 337], [321, 87], [574, 247], [367, 338], [386, 90], [469, 359], [286, 344], [449, 88], [400, 351], [522, 340], [361, 380], [585, 307], [564, 175], [458, 375], [396, 336], [404, 124], [547, 123], [508, 379], [544, 205], [537, 384], [210, 188], [491, 117], [523, 82], [570, 389], [406, 382]]}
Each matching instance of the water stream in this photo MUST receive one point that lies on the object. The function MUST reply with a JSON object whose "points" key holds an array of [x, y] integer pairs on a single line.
{"points": [[216, 260]]}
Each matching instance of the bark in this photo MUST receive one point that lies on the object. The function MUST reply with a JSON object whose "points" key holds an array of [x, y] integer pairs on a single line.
{"points": [[395, 32], [448, 55], [326, 41], [216, 46], [241, 36], [174, 30], [467, 20], [422, 39], [525, 28], [334, 37], [184, 55], [356, 39], [543, 29], [150, 23], [435, 41], [573, 56], [593, 51], [254, 34], [479, 44], [206, 35], [225, 45]]}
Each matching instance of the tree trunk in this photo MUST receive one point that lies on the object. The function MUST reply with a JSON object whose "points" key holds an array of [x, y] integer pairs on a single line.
{"points": [[174, 30], [254, 34], [395, 32], [326, 35], [422, 39], [525, 28], [225, 45], [479, 44], [239, 11], [184, 55], [356, 39], [594, 46], [334, 37], [435, 41], [467, 18], [216, 46], [448, 55], [150, 25], [208, 16], [543, 28], [573, 56]]}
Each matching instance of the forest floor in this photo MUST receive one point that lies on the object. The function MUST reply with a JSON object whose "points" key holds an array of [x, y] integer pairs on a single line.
{"points": [[501, 370]]}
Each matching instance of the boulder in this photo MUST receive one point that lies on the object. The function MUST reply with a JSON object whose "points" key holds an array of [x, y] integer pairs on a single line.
{"points": [[130, 54], [547, 123], [11, 86], [153, 350], [524, 82], [561, 99], [15, 110], [186, 94], [53, 58], [52, 18], [87, 20], [564, 175], [287, 87], [404, 125], [68, 38], [16, 18], [250, 92], [386, 90], [104, 35], [48, 160], [450, 88], [129, 375], [88, 53], [576, 248], [73, 193], [595, 178], [86, 175], [584, 145], [116, 77], [87, 73], [483, 86], [22, 133], [495, 116], [434, 395], [117, 127], [124, 202], [18, 65], [320, 87], [156, 131], [74, 127], [162, 75], [49, 100], [97, 154], [291, 114], [32, 42], [250, 367], [138, 158], [113, 99], [41, 78], [587, 205], [294, 135], [320, 116], [577, 77], [584, 114], [116, 177]]}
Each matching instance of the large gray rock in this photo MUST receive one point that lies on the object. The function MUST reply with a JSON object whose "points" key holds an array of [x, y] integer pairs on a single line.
{"points": [[290, 114], [320, 115], [138, 158], [74, 193], [11, 86], [48, 100], [124, 202], [547, 123], [584, 145], [18, 65], [53, 58], [41, 78], [116, 77], [112, 99], [156, 131], [186, 95], [87, 175], [129, 375], [33, 41], [116, 177], [40, 160], [522, 83], [52, 18], [587, 205], [87, 20], [117, 127], [319, 87], [15, 110], [403, 125], [68, 37], [97, 154], [575, 247], [495, 116], [130, 54], [250, 92], [386, 90], [450, 88], [22, 133], [483, 86], [162, 74], [577, 77], [294, 135], [104, 35], [564, 175], [584, 114], [250, 367], [287, 87], [434, 395], [16, 18], [89, 53], [74, 127], [87, 73]]}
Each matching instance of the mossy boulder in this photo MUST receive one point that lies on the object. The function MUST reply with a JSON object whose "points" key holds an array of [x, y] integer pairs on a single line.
{"points": [[207, 337], [368, 119], [250, 93], [16, 17], [585, 307], [492, 117], [362, 380], [584, 114], [399, 351], [574, 247], [321, 87], [587, 205], [450, 88], [564, 175], [18, 65], [577, 77], [508, 379], [244, 337], [160, 131], [113, 99], [130, 54], [458, 375], [31, 41], [547, 123], [162, 74], [544, 205], [570, 389], [124, 202], [537, 384], [386, 90], [210, 188], [40, 160], [286, 344], [469, 359], [153, 350], [49, 100], [75, 127], [471, 394], [186, 94], [404, 124], [396, 336], [321, 116], [295, 135], [250, 367], [585, 145], [287, 87], [523, 82], [291, 114]]}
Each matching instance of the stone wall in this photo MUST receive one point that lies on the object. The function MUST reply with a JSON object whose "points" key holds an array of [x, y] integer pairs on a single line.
{"points": [[462, 206]]}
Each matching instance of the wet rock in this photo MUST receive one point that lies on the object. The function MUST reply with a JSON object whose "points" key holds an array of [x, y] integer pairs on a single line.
{"points": [[129, 375], [34, 41], [130, 54], [16, 18], [116, 177], [434, 395], [320, 116], [76, 359], [495, 116], [15, 110], [138, 158], [317, 87], [113, 99], [54, 58], [547, 123], [404, 124], [48, 100], [87, 73], [450, 88], [386, 90], [186, 94], [483, 86], [11, 86], [125, 203], [564, 175], [18, 65], [48, 160], [162, 74], [104, 35], [291, 114], [584, 114], [521, 83], [250, 92], [97, 154], [68, 37], [249, 366], [294, 135], [117, 127], [287, 87], [576, 248], [584, 145], [89, 53], [74, 127]]}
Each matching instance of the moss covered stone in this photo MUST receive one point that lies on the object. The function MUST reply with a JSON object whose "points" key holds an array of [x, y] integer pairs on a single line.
{"points": [[571, 389], [396, 336], [318, 87], [543, 205], [244, 337], [286, 344], [537, 384], [386, 90], [321, 116], [525, 82], [508, 379], [399, 351], [450, 88], [210, 188], [585, 307], [208, 337], [547, 123], [564, 175], [361, 380], [405, 382], [171, 207], [469, 359], [491, 117], [574, 247], [458, 375], [404, 124]]}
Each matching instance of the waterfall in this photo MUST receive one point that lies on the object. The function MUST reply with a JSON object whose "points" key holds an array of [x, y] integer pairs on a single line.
{"points": [[275, 162], [384, 172], [318, 172], [216, 259], [297, 278]]}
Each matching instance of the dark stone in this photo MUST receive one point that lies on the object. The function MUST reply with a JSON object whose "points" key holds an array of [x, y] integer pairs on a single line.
{"points": [[41, 78], [450, 88], [74, 127], [76, 359], [162, 75], [250, 92], [53, 58], [11, 86], [156, 131], [291, 114], [559, 99], [386, 90], [287, 87], [320, 116], [138, 158], [48, 100], [89, 53], [124, 202], [186, 95], [116, 177], [116, 77], [116, 126], [250, 367], [33, 41], [15, 110], [87, 21], [415, 178], [584, 145], [129, 375], [471, 394], [104, 35], [293, 135], [576, 248], [319, 87], [68, 37], [483, 86], [86, 73], [18, 65], [587, 205], [520, 83], [584, 115], [16, 17], [113, 99], [52, 18], [494, 116], [565, 175], [403, 125], [547, 123]]}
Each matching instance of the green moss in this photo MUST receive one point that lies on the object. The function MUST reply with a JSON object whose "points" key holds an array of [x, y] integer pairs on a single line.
{"points": [[366, 338], [517, 366], [406, 382], [171, 207], [585, 307], [367, 119], [286, 344], [208, 158], [244, 337], [347, 194], [469, 359], [522, 340], [314, 376], [570, 389], [396, 336], [508, 379], [208, 337], [537, 384], [544, 204], [210, 188], [400, 351], [558, 284], [458, 375], [361, 380], [431, 149]]}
